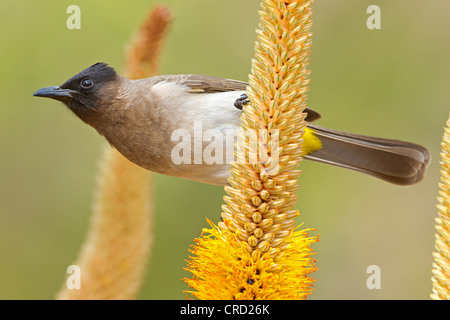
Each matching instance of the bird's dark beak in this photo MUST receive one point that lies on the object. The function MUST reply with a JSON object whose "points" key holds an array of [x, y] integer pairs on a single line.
{"points": [[53, 92]]}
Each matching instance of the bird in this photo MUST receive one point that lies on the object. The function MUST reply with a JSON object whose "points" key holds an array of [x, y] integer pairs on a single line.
{"points": [[145, 120]]}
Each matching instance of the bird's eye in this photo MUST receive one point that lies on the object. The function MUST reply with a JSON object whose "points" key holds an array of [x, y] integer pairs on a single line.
{"points": [[86, 83]]}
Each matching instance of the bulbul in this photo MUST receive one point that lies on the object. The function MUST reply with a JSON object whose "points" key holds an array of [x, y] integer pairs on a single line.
{"points": [[139, 117]]}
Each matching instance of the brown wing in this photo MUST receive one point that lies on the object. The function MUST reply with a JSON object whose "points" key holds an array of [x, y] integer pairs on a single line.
{"points": [[210, 84]]}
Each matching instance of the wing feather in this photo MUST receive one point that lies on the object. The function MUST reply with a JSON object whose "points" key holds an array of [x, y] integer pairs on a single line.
{"points": [[209, 84]]}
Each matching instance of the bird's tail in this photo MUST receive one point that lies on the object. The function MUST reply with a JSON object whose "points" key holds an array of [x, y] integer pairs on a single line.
{"points": [[394, 161]]}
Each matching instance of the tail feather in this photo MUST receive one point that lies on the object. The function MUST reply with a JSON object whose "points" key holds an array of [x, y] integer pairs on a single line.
{"points": [[398, 162]]}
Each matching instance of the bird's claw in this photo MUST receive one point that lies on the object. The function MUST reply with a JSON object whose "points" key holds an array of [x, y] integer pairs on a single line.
{"points": [[241, 101]]}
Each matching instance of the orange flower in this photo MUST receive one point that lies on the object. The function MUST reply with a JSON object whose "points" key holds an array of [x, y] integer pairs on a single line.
{"points": [[255, 252]]}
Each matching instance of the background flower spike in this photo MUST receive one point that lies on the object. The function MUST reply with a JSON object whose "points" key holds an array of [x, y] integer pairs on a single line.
{"points": [[123, 206]]}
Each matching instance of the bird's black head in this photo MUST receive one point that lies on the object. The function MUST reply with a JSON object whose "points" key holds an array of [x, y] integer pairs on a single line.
{"points": [[85, 90]]}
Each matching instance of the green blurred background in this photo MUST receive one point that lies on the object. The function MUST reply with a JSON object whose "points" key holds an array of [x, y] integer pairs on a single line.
{"points": [[391, 83]]}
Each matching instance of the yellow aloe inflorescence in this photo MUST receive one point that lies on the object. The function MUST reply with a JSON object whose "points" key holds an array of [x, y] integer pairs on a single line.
{"points": [[255, 253], [441, 265]]}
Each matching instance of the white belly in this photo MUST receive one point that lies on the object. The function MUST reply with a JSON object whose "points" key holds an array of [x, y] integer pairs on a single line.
{"points": [[202, 128]]}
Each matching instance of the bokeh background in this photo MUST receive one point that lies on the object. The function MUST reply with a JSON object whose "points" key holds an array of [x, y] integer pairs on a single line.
{"points": [[390, 83]]}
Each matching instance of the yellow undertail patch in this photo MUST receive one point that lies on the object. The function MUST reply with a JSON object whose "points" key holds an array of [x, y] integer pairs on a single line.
{"points": [[310, 142]]}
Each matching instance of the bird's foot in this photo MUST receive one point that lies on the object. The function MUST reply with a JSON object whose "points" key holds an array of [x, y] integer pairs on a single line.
{"points": [[241, 101]]}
